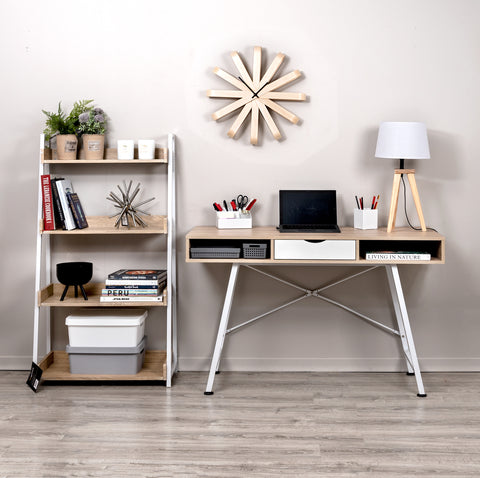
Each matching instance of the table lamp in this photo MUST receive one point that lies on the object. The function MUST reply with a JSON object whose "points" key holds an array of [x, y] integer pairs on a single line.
{"points": [[403, 140]]}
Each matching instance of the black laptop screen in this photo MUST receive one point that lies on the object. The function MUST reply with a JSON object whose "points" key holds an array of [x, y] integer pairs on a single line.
{"points": [[308, 207]]}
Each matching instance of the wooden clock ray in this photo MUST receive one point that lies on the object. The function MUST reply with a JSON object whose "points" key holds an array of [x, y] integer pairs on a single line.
{"points": [[256, 94]]}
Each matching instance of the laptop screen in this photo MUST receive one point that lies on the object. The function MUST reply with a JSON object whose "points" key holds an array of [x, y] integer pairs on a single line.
{"points": [[308, 207]]}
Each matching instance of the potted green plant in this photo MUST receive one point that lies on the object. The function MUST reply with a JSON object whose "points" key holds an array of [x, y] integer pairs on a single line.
{"points": [[65, 128], [92, 128], [58, 126]]}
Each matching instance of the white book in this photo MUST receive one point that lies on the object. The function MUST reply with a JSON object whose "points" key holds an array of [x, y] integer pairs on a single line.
{"points": [[132, 299], [130, 292], [397, 256], [64, 186]]}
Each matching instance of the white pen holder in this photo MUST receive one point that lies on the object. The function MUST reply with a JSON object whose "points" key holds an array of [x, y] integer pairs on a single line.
{"points": [[234, 220], [365, 218]]}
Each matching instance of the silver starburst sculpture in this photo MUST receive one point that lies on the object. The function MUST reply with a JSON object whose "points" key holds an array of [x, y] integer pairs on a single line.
{"points": [[128, 210]]}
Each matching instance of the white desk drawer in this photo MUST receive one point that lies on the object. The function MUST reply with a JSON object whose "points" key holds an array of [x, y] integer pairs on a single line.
{"points": [[301, 249]]}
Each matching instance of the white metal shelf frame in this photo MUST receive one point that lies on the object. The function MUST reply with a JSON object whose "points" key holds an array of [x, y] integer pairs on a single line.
{"points": [[43, 262]]}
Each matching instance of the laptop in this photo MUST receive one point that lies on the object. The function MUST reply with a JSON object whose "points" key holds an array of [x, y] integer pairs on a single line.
{"points": [[308, 211]]}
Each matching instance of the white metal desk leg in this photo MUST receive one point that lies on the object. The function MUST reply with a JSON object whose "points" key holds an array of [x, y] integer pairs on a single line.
{"points": [[401, 329], [402, 316], [222, 328]]}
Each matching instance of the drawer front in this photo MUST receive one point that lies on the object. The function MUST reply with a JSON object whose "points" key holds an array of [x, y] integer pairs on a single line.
{"points": [[301, 249]]}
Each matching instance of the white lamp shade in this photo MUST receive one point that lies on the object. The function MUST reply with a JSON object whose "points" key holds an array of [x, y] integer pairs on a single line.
{"points": [[402, 140]]}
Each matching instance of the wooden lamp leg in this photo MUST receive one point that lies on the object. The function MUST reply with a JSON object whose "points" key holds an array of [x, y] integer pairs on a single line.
{"points": [[416, 199], [394, 202]]}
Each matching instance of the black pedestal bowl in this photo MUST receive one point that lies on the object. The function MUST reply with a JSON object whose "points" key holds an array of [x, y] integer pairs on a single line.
{"points": [[76, 274]]}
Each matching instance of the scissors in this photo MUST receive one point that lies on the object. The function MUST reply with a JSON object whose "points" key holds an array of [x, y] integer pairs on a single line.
{"points": [[242, 201]]}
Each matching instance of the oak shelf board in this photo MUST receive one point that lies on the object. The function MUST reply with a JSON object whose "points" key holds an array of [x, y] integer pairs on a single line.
{"points": [[275, 261], [267, 262], [104, 161], [433, 260], [56, 366], [106, 225], [347, 232], [50, 297], [111, 157]]}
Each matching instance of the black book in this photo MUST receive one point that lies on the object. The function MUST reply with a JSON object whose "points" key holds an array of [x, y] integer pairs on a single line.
{"points": [[57, 207], [137, 274], [33, 380], [77, 210]]}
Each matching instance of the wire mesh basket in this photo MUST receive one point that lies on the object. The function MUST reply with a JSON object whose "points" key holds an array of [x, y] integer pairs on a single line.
{"points": [[215, 252], [254, 251]]}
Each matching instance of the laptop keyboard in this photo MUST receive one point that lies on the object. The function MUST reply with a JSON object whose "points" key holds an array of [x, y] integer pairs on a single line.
{"points": [[307, 226]]}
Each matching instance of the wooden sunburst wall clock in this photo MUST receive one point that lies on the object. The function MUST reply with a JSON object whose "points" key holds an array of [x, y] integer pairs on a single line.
{"points": [[255, 95]]}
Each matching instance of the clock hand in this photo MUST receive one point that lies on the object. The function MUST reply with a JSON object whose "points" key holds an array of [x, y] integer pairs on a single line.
{"points": [[254, 94], [262, 88]]}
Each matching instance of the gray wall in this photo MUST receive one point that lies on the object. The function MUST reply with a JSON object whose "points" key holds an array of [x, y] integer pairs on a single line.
{"points": [[149, 63]]}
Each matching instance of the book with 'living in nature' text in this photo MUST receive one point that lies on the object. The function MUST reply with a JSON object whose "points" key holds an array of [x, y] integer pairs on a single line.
{"points": [[397, 256]]}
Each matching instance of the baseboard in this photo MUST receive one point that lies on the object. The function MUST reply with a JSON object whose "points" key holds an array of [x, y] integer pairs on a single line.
{"points": [[350, 364], [15, 362]]}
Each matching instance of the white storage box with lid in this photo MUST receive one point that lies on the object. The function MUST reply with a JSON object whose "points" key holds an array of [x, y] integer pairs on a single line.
{"points": [[106, 327]]}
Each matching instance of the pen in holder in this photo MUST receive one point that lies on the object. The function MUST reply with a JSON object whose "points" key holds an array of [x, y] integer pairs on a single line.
{"points": [[365, 218], [234, 220]]}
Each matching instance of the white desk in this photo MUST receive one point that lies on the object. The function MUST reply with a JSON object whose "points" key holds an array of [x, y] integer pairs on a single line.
{"points": [[347, 248]]}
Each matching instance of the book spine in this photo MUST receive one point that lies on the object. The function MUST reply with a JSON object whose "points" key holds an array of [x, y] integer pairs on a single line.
{"points": [[64, 186], [138, 283], [378, 256], [57, 207], [129, 292], [137, 278], [131, 299], [133, 290], [47, 203], [133, 286], [123, 275], [77, 210]]}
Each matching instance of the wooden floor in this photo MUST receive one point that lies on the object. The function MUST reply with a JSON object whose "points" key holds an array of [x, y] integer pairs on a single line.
{"points": [[256, 424]]}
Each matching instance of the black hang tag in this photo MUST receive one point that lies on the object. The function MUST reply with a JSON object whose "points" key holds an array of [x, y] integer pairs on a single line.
{"points": [[33, 380]]}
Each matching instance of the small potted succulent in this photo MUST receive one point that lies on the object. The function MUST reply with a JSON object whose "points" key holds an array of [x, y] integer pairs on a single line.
{"points": [[92, 126], [65, 128]]}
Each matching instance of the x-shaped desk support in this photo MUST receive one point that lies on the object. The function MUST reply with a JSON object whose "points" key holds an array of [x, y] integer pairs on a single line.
{"points": [[404, 330]]}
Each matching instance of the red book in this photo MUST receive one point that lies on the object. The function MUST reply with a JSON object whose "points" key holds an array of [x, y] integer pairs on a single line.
{"points": [[47, 203]]}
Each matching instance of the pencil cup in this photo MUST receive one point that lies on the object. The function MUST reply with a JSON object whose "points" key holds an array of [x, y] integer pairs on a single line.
{"points": [[125, 148], [146, 149], [365, 218], [234, 220]]}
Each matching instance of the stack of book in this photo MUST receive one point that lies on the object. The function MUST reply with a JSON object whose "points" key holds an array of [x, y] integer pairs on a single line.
{"points": [[135, 285], [61, 206]]}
